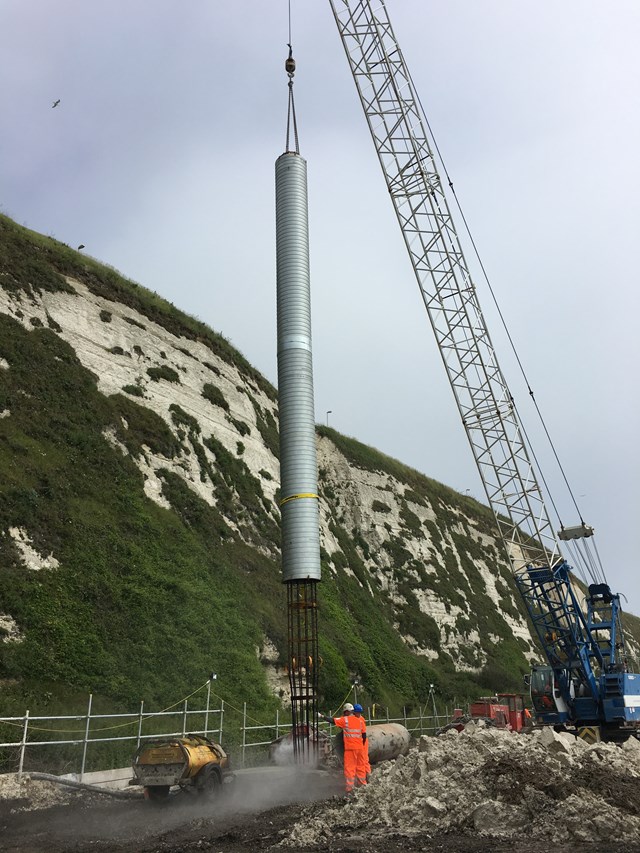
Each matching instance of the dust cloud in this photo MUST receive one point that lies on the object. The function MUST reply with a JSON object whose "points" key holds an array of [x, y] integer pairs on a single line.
{"points": [[41, 810]]}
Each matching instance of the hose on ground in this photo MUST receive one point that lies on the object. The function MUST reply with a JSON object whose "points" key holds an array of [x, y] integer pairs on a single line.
{"points": [[71, 783]]}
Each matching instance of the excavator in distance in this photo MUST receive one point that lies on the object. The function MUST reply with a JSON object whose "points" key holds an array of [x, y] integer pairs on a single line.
{"points": [[585, 682], [503, 711]]}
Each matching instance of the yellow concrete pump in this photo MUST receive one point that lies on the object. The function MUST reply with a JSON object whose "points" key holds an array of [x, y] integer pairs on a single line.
{"points": [[190, 762]]}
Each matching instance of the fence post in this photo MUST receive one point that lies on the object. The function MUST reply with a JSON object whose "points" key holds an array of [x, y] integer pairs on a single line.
{"points": [[421, 729], [387, 713], [404, 713], [23, 745], [140, 723], [86, 737], [244, 731], [277, 723], [184, 718], [206, 713], [221, 719]]}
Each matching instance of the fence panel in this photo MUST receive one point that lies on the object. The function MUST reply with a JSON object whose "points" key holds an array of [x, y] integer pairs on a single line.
{"points": [[40, 732], [253, 737]]}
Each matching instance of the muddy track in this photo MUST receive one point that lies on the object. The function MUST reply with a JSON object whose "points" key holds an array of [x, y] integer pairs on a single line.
{"points": [[86, 825]]}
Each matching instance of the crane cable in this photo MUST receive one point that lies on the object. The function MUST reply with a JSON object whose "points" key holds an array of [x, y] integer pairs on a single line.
{"points": [[511, 343], [290, 68]]}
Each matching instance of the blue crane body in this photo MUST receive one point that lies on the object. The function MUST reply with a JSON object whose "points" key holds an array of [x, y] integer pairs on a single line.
{"points": [[586, 682]]}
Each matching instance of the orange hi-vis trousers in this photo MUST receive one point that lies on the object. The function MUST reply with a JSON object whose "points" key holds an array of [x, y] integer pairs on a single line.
{"points": [[355, 767]]}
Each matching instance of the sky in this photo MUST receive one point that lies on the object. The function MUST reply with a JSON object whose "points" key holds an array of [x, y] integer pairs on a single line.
{"points": [[159, 159]]}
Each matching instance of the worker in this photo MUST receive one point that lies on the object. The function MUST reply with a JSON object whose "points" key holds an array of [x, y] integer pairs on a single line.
{"points": [[367, 763], [354, 730]]}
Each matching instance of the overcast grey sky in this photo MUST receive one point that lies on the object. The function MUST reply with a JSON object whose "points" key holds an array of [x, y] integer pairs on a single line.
{"points": [[160, 156]]}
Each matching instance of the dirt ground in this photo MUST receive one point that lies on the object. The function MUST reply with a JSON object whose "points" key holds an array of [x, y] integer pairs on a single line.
{"points": [[254, 817]]}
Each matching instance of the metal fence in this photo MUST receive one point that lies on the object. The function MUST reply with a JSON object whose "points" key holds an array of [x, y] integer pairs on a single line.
{"points": [[418, 724], [35, 731], [249, 736]]}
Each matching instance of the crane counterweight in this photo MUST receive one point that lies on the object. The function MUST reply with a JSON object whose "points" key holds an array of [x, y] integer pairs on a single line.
{"points": [[580, 531]]}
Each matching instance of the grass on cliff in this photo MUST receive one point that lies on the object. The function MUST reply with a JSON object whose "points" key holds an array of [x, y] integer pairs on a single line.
{"points": [[144, 602], [31, 260], [420, 487]]}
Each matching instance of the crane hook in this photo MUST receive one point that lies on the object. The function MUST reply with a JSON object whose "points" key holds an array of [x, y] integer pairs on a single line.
{"points": [[290, 63]]}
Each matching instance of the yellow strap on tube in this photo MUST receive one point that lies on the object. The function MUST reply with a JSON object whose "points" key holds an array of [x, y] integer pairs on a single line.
{"points": [[297, 497]]}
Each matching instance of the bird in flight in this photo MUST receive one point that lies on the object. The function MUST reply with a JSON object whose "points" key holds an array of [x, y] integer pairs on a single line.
{"points": [[55, 104]]}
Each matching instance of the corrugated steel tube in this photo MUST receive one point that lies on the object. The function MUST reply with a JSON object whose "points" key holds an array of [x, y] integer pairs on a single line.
{"points": [[298, 463]]}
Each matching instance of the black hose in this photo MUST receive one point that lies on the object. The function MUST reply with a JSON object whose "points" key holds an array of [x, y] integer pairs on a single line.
{"points": [[71, 783]]}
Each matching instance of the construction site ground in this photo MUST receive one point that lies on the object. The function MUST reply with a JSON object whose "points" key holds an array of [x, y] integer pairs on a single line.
{"points": [[482, 790]]}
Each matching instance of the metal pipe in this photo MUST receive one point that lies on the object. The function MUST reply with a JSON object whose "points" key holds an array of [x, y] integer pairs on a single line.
{"points": [[298, 463], [386, 741], [71, 783]]}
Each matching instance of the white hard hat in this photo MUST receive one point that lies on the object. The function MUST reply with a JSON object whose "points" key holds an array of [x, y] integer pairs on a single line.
{"points": [[348, 707]]}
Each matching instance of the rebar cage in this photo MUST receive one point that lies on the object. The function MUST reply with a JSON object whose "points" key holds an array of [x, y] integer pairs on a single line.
{"points": [[302, 610]]}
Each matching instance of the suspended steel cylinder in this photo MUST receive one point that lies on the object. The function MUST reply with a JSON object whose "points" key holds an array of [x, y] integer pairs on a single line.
{"points": [[298, 463]]}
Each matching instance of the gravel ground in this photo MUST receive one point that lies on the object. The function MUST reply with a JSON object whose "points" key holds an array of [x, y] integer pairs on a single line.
{"points": [[483, 791]]}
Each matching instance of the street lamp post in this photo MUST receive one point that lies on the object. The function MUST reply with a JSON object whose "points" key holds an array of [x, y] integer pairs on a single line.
{"points": [[356, 684], [433, 699]]}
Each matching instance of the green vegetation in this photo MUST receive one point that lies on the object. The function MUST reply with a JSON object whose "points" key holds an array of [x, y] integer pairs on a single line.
{"points": [[143, 426], [267, 427], [182, 418], [142, 604], [240, 494], [241, 426], [215, 396], [163, 372], [133, 322], [51, 323], [134, 390], [410, 520]]}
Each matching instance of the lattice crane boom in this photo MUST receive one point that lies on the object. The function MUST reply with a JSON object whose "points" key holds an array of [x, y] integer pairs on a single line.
{"points": [[485, 404], [578, 645]]}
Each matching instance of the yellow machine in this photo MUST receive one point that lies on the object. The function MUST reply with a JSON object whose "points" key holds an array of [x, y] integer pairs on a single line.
{"points": [[190, 762]]}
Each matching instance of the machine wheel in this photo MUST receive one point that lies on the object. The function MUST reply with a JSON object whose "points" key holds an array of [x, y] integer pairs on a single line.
{"points": [[209, 781], [157, 793]]}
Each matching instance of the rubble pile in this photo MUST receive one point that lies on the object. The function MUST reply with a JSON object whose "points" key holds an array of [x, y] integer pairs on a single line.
{"points": [[28, 794], [491, 782]]}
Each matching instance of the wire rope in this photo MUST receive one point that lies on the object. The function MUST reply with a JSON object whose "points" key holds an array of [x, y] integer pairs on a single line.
{"points": [[290, 68], [503, 321], [107, 728]]}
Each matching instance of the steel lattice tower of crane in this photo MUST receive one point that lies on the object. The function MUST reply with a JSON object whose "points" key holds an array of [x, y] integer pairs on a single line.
{"points": [[487, 410]]}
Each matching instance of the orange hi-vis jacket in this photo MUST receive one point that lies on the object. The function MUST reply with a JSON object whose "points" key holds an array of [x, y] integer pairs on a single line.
{"points": [[352, 729]]}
